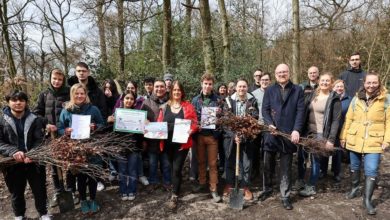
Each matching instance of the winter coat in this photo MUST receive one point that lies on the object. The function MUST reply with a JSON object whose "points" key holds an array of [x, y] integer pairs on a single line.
{"points": [[197, 102], [366, 128], [85, 109], [251, 108], [152, 107], [307, 89], [50, 104], [287, 116], [96, 95], [332, 116], [189, 113], [353, 79], [9, 138]]}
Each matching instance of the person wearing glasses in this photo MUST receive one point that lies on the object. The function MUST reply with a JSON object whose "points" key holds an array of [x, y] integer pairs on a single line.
{"points": [[283, 110], [256, 76], [353, 76]]}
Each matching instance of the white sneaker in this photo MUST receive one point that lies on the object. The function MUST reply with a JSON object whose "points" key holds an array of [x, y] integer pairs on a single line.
{"points": [[131, 197], [19, 218], [45, 217], [100, 186], [124, 197], [144, 180]]}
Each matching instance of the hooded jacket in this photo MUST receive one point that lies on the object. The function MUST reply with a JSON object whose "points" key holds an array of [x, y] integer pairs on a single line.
{"points": [[96, 95], [51, 102], [11, 140], [332, 116], [366, 128]]}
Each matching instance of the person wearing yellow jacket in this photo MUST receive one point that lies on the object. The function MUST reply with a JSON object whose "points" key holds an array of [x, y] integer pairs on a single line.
{"points": [[366, 133]]}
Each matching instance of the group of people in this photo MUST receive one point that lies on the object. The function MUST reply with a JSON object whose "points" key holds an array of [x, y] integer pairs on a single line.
{"points": [[350, 112]]}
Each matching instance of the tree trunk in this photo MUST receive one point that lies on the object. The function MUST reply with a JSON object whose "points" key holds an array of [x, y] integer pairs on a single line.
{"points": [[225, 38], [102, 32], [167, 36], [141, 27], [65, 48], [121, 36], [295, 44], [6, 38], [208, 44], [187, 18]]}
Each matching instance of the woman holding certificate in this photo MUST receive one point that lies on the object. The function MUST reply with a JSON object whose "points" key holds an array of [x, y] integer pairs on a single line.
{"points": [[128, 169], [182, 122], [80, 105]]}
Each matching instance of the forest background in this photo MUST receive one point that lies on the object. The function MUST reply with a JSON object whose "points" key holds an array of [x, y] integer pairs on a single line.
{"points": [[133, 39]]}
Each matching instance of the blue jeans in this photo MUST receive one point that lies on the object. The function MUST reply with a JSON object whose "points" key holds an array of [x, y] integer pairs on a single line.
{"points": [[165, 167], [371, 163], [128, 174], [140, 165], [315, 169]]}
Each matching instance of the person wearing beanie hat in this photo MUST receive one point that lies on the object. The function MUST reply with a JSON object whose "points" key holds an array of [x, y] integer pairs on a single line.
{"points": [[168, 78]]}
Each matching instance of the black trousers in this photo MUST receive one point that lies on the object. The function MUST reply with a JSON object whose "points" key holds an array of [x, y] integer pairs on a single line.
{"points": [[16, 178], [83, 181], [176, 160], [285, 172], [245, 163]]}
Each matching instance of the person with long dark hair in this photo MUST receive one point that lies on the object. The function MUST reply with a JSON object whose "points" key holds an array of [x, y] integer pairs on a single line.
{"points": [[177, 108]]}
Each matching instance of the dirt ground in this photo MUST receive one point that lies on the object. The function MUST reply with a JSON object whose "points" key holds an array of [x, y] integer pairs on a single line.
{"points": [[329, 203]]}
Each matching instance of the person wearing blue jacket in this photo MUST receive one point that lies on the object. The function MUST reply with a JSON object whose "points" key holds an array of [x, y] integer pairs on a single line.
{"points": [[80, 104], [283, 110]]}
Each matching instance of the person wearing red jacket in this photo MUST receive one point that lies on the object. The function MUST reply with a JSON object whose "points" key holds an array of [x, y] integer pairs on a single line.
{"points": [[175, 108]]}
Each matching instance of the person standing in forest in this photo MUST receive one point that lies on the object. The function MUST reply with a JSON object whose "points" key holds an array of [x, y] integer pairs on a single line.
{"points": [[20, 132], [256, 76], [49, 106], [283, 110], [353, 76], [207, 139]]}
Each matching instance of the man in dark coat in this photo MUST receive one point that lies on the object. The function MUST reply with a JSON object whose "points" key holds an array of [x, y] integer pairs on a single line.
{"points": [[21, 131], [49, 106], [96, 95], [353, 76], [283, 110]]}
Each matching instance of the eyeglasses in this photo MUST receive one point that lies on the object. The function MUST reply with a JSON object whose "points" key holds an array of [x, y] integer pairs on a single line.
{"points": [[354, 59], [281, 72]]}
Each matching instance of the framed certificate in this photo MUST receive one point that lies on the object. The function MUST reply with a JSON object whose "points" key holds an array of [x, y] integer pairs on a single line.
{"points": [[130, 120]]}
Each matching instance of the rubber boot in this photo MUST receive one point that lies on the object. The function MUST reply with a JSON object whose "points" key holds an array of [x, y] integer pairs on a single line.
{"points": [[355, 176], [368, 191]]}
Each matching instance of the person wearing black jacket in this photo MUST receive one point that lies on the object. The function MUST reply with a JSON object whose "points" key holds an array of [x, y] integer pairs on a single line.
{"points": [[21, 131], [353, 76], [283, 110], [49, 106], [323, 113], [96, 95]]}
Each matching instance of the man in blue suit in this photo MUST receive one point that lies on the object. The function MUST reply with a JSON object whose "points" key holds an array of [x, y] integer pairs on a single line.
{"points": [[283, 110]]}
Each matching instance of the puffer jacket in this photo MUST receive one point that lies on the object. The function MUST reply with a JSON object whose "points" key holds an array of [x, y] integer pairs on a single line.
{"points": [[33, 133], [366, 128], [50, 104], [332, 116], [189, 113]]}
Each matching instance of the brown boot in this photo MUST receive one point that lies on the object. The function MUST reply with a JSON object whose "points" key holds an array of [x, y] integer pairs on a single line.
{"points": [[172, 203], [248, 195]]}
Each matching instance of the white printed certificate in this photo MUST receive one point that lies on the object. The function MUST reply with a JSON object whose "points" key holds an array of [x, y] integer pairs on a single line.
{"points": [[181, 130], [80, 126], [130, 120], [156, 130], [208, 117]]}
